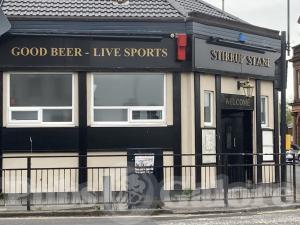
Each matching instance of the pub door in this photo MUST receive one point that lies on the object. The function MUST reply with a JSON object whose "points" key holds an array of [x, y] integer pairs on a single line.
{"points": [[145, 178], [236, 140]]}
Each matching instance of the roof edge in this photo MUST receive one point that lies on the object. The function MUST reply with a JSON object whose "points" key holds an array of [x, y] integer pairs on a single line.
{"points": [[96, 19], [230, 24]]}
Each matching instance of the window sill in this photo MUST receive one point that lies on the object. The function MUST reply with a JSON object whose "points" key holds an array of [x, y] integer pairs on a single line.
{"points": [[129, 125], [39, 125], [208, 125]]}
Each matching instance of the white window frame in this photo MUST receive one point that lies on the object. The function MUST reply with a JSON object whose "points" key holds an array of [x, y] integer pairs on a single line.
{"points": [[39, 122], [266, 124], [130, 121], [211, 93]]}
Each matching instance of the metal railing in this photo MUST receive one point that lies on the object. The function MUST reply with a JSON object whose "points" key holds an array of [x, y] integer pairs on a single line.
{"points": [[113, 182]]}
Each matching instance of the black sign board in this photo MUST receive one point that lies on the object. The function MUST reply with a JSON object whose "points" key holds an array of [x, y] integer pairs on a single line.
{"points": [[237, 102], [4, 23], [233, 60], [88, 53]]}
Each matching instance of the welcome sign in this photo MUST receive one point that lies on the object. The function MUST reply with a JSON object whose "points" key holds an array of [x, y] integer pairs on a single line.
{"points": [[88, 53], [237, 102]]}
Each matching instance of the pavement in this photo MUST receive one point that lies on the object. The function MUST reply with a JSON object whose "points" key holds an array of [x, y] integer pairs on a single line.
{"points": [[282, 217]]}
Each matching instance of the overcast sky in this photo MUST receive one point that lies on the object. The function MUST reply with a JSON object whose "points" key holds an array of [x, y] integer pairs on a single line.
{"points": [[270, 14]]}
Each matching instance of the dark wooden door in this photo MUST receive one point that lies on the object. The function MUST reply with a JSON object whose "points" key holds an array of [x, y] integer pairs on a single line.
{"points": [[236, 140]]}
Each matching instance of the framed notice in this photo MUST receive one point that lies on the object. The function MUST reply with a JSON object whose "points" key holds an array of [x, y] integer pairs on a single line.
{"points": [[144, 163], [268, 145], [208, 146]]}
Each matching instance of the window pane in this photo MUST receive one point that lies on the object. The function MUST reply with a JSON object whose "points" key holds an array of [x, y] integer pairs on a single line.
{"points": [[24, 115], [229, 137], [129, 90], [263, 110], [55, 115], [112, 115], [41, 90], [147, 115], [207, 107]]}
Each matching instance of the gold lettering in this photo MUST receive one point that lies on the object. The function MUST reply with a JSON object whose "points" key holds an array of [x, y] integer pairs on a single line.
{"points": [[95, 52], [126, 52], [62, 52], [15, 51], [164, 52], [24, 51], [142, 52], [150, 52], [117, 52], [43, 51], [54, 52], [77, 52]]}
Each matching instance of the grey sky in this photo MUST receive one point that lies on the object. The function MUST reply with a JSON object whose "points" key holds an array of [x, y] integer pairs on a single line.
{"points": [[270, 14]]}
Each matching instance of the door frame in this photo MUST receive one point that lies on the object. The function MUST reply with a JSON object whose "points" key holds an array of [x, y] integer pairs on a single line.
{"points": [[234, 103], [247, 145]]}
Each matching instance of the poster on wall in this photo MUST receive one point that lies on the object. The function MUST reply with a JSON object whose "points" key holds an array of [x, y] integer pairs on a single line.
{"points": [[268, 146], [144, 164], [208, 146]]}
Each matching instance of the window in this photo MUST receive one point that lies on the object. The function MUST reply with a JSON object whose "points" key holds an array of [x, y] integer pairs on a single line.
{"points": [[264, 111], [298, 77], [208, 108], [125, 98], [40, 99]]}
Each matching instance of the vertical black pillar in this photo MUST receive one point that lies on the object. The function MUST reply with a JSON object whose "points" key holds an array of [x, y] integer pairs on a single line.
{"points": [[276, 133], [1, 127], [258, 131], [218, 123], [82, 99], [283, 115], [177, 129], [198, 131]]}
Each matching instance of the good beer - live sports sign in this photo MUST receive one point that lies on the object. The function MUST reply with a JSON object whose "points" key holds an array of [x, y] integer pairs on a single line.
{"points": [[87, 53]]}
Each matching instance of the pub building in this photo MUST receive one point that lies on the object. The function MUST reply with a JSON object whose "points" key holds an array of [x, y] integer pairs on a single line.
{"points": [[164, 78]]}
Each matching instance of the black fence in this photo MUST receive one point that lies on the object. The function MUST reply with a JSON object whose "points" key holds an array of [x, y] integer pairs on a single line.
{"points": [[119, 181]]}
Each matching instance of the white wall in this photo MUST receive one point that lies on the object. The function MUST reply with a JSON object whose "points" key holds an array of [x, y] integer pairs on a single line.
{"points": [[188, 130], [43, 179]]}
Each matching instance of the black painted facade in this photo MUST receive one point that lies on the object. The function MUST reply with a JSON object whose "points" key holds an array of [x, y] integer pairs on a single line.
{"points": [[159, 33]]}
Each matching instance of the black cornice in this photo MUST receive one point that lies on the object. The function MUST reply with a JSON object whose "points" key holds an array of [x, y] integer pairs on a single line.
{"points": [[233, 25]]}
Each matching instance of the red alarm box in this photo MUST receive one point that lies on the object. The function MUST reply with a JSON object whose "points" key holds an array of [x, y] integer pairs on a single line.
{"points": [[181, 47]]}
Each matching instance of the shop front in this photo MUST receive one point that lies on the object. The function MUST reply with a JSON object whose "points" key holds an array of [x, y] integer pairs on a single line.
{"points": [[158, 98]]}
